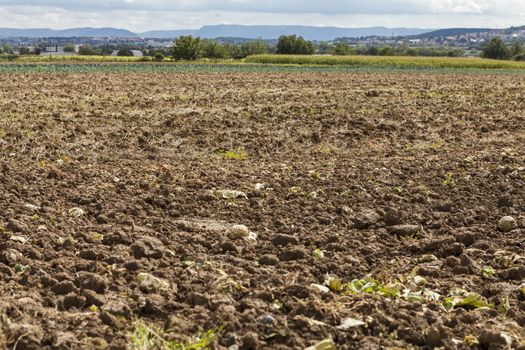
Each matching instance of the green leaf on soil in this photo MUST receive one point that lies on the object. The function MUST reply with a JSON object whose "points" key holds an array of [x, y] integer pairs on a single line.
{"points": [[237, 154], [364, 285], [470, 302], [318, 254], [449, 180], [20, 268], [488, 271], [471, 340], [149, 336], [277, 304]]}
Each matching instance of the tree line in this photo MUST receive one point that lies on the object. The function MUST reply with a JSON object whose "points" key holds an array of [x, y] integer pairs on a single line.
{"points": [[194, 48]]}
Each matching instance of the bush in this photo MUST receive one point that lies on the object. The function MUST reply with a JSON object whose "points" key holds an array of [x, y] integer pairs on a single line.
{"points": [[159, 56], [9, 57]]}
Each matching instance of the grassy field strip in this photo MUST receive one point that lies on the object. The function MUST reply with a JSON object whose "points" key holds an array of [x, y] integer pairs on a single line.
{"points": [[390, 61]]}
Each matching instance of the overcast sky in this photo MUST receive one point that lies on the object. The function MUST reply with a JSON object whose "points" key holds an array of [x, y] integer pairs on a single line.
{"points": [[142, 15]]}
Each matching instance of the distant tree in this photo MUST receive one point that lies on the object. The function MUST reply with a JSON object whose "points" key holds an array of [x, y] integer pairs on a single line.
{"points": [[496, 49], [212, 49], [24, 51], [86, 50], [323, 48], [372, 51], [69, 48], [517, 49], [38, 51], [255, 47], [125, 51], [387, 51], [8, 49], [294, 45], [342, 49], [187, 48], [106, 50], [520, 57], [411, 52]]}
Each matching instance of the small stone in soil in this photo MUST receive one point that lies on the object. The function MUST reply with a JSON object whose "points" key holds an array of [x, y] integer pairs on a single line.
{"points": [[269, 259], [292, 254], [283, 240], [507, 224]]}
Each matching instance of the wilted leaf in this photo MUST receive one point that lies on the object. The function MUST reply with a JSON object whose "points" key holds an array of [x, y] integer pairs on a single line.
{"points": [[76, 212], [348, 323], [334, 283], [327, 344], [229, 194]]}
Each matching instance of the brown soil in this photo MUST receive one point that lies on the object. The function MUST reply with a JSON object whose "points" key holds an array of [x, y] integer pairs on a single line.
{"points": [[104, 177]]}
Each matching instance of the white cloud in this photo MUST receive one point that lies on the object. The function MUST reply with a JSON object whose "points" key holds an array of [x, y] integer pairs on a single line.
{"points": [[142, 15]]}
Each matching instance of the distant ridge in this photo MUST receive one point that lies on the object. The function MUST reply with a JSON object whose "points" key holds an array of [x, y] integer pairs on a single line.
{"points": [[214, 31], [273, 32], [453, 32]]}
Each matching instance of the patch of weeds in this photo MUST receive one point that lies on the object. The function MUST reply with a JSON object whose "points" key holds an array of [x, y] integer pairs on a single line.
{"points": [[438, 144], [504, 304], [346, 194], [148, 336], [324, 149], [367, 285], [237, 154], [315, 174], [469, 160], [123, 98], [464, 300], [449, 180], [398, 189]]}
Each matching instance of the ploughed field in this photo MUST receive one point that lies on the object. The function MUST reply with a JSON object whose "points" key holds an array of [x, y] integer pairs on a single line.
{"points": [[262, 211]]}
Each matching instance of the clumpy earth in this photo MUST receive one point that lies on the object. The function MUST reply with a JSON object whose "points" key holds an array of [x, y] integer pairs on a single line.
{"points": [[273, 211]]}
